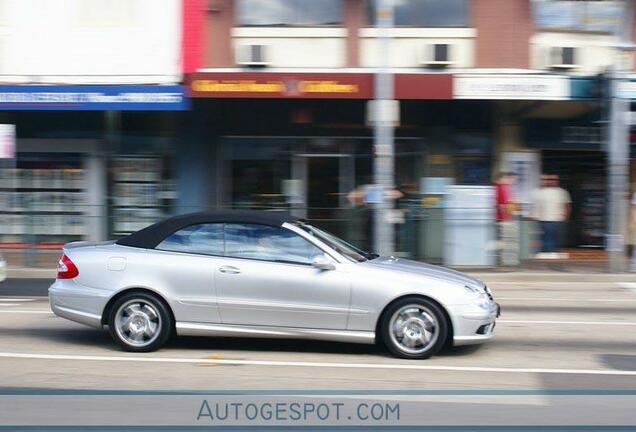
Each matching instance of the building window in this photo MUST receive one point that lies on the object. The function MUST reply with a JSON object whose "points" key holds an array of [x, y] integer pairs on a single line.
{"points": [[582, 15], [426, 13], [289, 12]]}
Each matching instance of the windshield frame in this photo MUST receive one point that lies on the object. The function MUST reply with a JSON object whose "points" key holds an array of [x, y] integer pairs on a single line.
{"points": [[343, 248]]}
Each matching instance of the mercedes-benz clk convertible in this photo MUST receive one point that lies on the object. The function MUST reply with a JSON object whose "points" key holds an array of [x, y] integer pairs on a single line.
{"points": [[265, 274]]}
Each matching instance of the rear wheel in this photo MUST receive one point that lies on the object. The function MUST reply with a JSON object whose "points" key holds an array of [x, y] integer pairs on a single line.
{"points": [[140, 322], [414, 328]]}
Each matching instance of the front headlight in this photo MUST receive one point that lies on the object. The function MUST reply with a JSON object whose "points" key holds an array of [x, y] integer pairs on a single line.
{"points": [[481, 298], [484, 302]]}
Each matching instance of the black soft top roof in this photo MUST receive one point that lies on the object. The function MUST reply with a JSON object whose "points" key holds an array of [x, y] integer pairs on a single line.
{"points": [[150, 237]]}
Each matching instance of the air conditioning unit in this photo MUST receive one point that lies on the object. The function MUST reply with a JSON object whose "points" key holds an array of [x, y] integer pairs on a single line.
{"points": [[562, 58], [255, 55], [436, 55]]}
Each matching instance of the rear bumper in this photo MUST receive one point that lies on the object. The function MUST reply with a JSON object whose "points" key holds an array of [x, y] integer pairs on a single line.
{"points": [[81, 317], [3, 270], [77, 303]]}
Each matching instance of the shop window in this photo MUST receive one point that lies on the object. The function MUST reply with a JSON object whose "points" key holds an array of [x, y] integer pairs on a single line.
{"points": [[426, 13], [257, 170], [289, 12], [142, 192], [42, 198]]}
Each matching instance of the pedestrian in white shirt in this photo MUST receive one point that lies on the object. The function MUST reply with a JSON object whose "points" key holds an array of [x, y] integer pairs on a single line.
{"points": [[551, 207]]}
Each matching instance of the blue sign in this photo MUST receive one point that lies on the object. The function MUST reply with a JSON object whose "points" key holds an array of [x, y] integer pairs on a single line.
{"points": [[94, 97]]}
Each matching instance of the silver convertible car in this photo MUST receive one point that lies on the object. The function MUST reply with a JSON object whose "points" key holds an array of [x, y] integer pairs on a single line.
{"points": [[265, 274]]}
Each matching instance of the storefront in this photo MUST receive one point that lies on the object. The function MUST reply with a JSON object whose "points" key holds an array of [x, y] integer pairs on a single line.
{"points": [[81, 169], [303, 143]]}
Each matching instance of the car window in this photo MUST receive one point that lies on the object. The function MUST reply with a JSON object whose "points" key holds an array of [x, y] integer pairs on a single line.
{"points": [[205, 239], [262, 242]]}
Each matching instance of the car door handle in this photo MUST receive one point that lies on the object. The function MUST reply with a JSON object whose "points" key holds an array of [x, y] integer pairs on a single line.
{"points": [[229, 270]]}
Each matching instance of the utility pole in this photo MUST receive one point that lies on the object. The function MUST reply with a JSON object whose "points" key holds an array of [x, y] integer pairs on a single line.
{"points": [[383, 146], [618, 149], [617, 159]]}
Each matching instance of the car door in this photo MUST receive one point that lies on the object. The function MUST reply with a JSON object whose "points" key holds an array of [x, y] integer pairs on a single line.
{"points": [[267, 279], [184, 263]]}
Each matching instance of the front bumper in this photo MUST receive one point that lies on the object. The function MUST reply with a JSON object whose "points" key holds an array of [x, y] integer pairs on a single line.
{"points": [[473, 324]]}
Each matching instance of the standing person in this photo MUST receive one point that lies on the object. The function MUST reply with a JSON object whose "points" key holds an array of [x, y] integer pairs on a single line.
{"points": [[365, 196], [506, 219], [552, 207]]}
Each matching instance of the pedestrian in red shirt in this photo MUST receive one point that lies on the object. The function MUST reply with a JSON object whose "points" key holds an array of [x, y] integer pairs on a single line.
{"points": [[506, 219]]}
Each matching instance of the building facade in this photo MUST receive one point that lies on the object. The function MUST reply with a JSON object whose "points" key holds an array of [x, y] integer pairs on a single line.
{"points": [[182, 105], [93, 90], [280, 119]]}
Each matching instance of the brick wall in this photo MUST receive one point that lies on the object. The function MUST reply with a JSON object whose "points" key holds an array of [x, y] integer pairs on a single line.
{"points": [[354, 15], [504, 28], [218, 34]]}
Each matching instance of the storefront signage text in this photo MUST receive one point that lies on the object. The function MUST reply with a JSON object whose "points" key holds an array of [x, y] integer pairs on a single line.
{"points": [[87, 97], [254, 85], [519, 87]]}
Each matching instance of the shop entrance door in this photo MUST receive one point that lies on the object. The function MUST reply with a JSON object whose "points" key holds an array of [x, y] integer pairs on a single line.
{"points": [[327, 179]]}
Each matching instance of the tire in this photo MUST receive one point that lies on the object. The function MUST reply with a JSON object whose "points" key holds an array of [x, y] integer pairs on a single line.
{"points": [[413, 321], [140, 322]]}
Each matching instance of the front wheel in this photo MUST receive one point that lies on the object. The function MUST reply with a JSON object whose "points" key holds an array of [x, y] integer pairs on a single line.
{"points": [[140, 322], [414, 328]]}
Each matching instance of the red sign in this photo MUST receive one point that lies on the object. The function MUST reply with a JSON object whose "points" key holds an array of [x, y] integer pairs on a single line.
{"points": [[327, 85], [268, 85], [423, 86]]}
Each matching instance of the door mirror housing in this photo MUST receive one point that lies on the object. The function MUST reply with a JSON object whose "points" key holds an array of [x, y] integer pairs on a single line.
{"points": [[321, 262]]}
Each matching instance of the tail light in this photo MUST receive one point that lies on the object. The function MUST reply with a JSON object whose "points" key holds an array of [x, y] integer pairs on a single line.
{"points": [[66, 269]]}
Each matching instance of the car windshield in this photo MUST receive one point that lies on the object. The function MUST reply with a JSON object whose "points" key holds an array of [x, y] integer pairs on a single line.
{"points": [[341, 246]]}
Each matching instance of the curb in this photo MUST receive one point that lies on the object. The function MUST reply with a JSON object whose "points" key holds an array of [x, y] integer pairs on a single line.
{"points": [[31, 273]]}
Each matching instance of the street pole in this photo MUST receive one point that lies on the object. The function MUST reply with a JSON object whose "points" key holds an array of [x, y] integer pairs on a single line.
{"points": [[617, 159], [618, 151], [383, 130]]}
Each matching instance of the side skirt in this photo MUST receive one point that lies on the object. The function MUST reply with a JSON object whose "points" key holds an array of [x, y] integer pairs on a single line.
{"points": [[203, 329]]}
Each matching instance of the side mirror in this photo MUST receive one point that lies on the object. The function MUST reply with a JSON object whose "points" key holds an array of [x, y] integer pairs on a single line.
{"points": [[321, 262]]}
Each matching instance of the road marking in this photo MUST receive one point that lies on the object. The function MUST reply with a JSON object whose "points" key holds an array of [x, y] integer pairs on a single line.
{"points": [[628, 285], [19, 311], [609, 323], [411, 366], [11, 299], [565, 299]]}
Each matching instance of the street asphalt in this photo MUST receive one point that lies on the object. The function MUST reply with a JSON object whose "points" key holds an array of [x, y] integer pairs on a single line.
{"points": [[559, 335], [25, 287]]}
